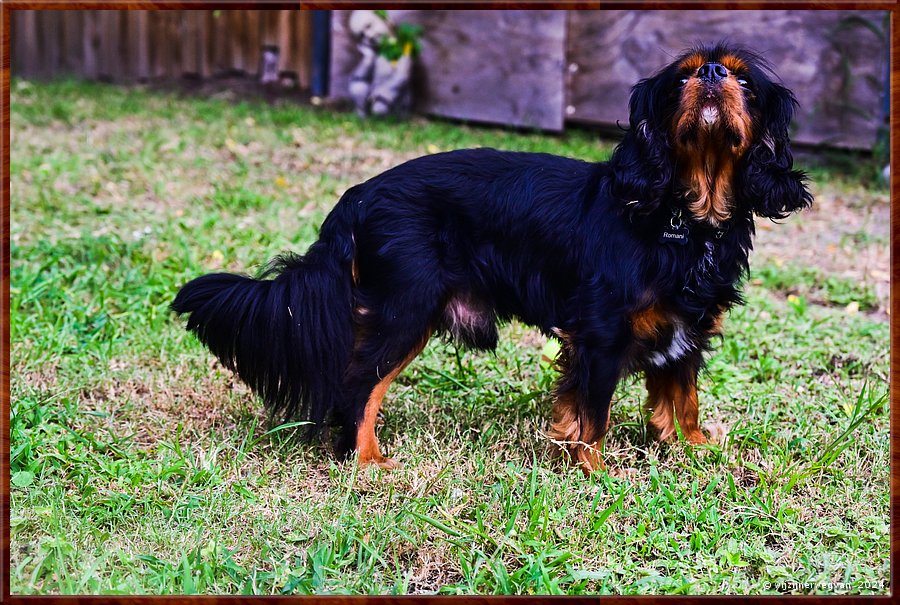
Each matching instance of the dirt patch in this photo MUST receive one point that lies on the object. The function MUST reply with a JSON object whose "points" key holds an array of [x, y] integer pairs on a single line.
{"points": [[236, 87], [846, 233], [147, 408]]}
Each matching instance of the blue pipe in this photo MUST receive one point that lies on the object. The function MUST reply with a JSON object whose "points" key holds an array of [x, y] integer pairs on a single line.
{"points": [[321, 26]]}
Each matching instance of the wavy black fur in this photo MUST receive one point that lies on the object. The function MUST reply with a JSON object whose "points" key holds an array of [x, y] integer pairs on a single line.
{"points": [[289, 338], [456, 241]]}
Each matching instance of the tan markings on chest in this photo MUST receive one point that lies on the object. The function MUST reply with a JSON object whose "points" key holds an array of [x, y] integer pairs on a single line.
{"points": [[669, 336], [649, 322]]}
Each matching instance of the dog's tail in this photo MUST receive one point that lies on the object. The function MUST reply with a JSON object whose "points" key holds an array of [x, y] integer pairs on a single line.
{"points": [[288, 335]]}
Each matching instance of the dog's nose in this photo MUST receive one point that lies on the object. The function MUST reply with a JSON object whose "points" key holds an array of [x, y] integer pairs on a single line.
{"points": [[712, 72]]}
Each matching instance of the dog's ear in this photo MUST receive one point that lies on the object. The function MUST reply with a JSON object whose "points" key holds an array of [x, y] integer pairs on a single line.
{"points": [[642, 163], [767, 180]]}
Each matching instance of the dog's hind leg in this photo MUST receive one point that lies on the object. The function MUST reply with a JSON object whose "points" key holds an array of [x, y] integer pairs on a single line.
{"points": [[367, 447], [384, 347]]}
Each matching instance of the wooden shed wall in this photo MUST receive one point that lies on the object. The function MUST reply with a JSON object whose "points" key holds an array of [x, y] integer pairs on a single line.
{"points": [[508, 67]]}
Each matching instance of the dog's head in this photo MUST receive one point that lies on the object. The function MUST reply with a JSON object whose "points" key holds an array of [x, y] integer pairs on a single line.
{"points": [[712, 129]]}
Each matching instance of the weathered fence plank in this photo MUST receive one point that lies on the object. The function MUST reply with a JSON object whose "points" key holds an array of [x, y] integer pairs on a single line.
{"points": [[237, 35], [206, 43], [109, 54], [137, 43], [91, 44], [301, 53], [154, 51], [252, 27], [188, 36], [26, 32], [73, 32], [222, 42], [51, 41]]}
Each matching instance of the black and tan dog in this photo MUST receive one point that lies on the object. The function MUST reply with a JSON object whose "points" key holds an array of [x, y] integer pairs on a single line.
{"points": [[631, 262]]}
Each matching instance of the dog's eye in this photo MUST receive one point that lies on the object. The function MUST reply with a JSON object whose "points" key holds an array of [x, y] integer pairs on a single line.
{"points": [[744, 83], [682, 81]]}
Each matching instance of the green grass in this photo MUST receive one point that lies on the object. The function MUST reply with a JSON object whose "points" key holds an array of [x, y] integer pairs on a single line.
{"points": [[814, 283], [139, 465]]}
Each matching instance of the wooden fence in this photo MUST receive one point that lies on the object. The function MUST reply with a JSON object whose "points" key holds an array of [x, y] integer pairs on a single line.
{"points": [[137, 45]]}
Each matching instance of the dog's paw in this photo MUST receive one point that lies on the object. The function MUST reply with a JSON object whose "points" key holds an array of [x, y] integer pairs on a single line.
{"points": [[588, 459], [388, 463], [696, 438], [379, 461]]}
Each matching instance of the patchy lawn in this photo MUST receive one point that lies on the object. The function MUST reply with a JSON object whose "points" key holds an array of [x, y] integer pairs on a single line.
{"points": [[139, 465]]}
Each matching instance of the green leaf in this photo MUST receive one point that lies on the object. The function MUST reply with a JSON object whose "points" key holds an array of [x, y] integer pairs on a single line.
{"points": [[605, 514], [549, 353], [22, 479]]}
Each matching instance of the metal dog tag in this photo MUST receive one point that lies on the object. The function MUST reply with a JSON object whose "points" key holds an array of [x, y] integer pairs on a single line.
{"points": [[674, 236], [676, 232]]}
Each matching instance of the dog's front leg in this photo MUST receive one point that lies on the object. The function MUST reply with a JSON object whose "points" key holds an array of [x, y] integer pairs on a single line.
{"points": [[583, 396], [672, 395]]}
